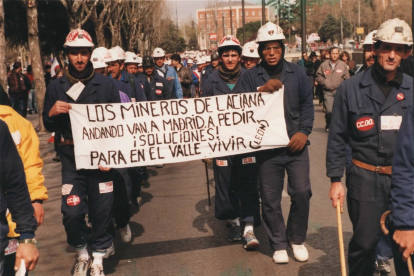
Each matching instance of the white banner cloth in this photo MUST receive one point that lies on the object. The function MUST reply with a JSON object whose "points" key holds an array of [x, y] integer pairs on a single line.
{"points": [[170, 131]]}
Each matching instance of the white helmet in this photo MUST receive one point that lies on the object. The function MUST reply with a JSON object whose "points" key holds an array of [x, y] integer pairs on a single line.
{"points": [[190, 61], [200, 61], [78, 38], [158, 52], [117, 53], [131, 57], [229, 40], [250, 50], [139, 61], [99, 57], [207, 59], [368, 39], [394, 31], [269, 32]]}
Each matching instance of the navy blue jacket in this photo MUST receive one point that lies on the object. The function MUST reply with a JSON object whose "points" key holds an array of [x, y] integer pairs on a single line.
{"points": [[402, 185], [298, 96], [160, 88], [137, 91], [215, 86], [100, 89], [13, 183], [358, 106], [206, 73], [145, 85]]}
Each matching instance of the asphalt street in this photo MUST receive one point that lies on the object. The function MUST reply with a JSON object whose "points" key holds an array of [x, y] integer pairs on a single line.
{"points": [[175, 232]]}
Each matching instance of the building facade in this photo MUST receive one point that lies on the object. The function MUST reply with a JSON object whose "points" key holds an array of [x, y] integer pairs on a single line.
{"points": [[210, 21]]}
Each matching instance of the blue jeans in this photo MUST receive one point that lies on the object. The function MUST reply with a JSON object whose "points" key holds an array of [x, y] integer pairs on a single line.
{"points": [[19, 104], [32, 101]]}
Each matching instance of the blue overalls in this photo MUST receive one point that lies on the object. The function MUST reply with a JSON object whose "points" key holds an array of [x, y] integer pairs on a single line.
{"points": [[84, 196], [299, 115], [367, 121], [402, 185], [236, 175]]}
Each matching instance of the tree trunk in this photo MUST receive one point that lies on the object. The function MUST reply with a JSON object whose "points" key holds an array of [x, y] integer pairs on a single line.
{"points": [[3, 65], [100, 35], [34, 47]]}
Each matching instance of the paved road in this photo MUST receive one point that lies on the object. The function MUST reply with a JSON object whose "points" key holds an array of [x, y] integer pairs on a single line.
{"points": [[175, 232]]}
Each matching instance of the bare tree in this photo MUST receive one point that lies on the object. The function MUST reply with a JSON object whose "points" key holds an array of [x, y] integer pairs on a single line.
{"points": [[34, 46], [79, 11], [102, 20], [3, 65], [115, 25]]}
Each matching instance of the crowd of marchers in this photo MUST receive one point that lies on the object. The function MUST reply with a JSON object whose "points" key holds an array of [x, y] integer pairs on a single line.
{"points": [[367, 110]]}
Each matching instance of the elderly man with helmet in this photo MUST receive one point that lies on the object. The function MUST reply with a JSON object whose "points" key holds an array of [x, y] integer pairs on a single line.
{"points": [[250, 56], [367, 114], [272, 74], [235, 176], [167, 72], [83, 191]]}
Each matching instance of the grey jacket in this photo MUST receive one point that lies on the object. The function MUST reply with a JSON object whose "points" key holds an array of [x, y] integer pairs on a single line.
{"points": [[330, 78]]}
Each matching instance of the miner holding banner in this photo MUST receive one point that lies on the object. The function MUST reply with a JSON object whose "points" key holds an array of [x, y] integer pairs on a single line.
{"points": [[83, 191], [270, 75], [235, 176]]}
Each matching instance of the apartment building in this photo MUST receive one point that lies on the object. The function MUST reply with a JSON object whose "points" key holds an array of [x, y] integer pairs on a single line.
{"points": [[210, 20]]}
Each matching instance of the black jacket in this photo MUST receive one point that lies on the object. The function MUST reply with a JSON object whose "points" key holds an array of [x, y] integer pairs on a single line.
{"points": [[13, 183]]}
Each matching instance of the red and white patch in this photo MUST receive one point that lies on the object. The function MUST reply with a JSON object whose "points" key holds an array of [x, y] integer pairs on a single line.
{"points": [[400, 96], [365, 123], [66, 189], [106, 187], [12, 247], [327, 72], [73, 200], [339, 71], [158, 91], [249, 160], [221, 163]]}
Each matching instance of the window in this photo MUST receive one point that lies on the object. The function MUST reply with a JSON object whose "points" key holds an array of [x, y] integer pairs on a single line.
{"points": [[241, 13], [260, 13], [247, 13], [232, 25], [225, 25], [201, 16], [208, 15], [253, 13], [225, 14], [232, 13]]}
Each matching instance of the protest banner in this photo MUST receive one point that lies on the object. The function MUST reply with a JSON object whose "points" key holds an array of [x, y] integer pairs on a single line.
{"points": [[170, 131]]}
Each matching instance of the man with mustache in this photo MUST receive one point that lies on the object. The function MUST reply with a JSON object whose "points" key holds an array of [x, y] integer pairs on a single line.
{"points": [[367, 114]]}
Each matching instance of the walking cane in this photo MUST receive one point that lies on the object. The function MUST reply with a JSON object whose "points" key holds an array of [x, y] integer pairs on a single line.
{"points": [[386, 232], [341, 237], [208, 185]]}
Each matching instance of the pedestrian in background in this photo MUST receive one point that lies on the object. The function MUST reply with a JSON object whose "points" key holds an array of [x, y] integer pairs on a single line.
{"points": [[346, 57], [19, 87], [330, 75]]}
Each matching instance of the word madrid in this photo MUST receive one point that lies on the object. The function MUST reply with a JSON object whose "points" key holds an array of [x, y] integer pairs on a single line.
{"points": [[148, 133]]}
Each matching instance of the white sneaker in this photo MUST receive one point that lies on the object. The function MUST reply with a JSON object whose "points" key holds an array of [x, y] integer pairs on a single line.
{"points": [[139, 201], [97, 270], [300, 252], [125, 233], [281, 257], [81, 267], [109, 252]]}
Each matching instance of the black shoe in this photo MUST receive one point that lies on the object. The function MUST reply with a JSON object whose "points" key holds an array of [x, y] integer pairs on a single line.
{"points": [[30, 112], [235, 232], [383, 267], [56, 158]]}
